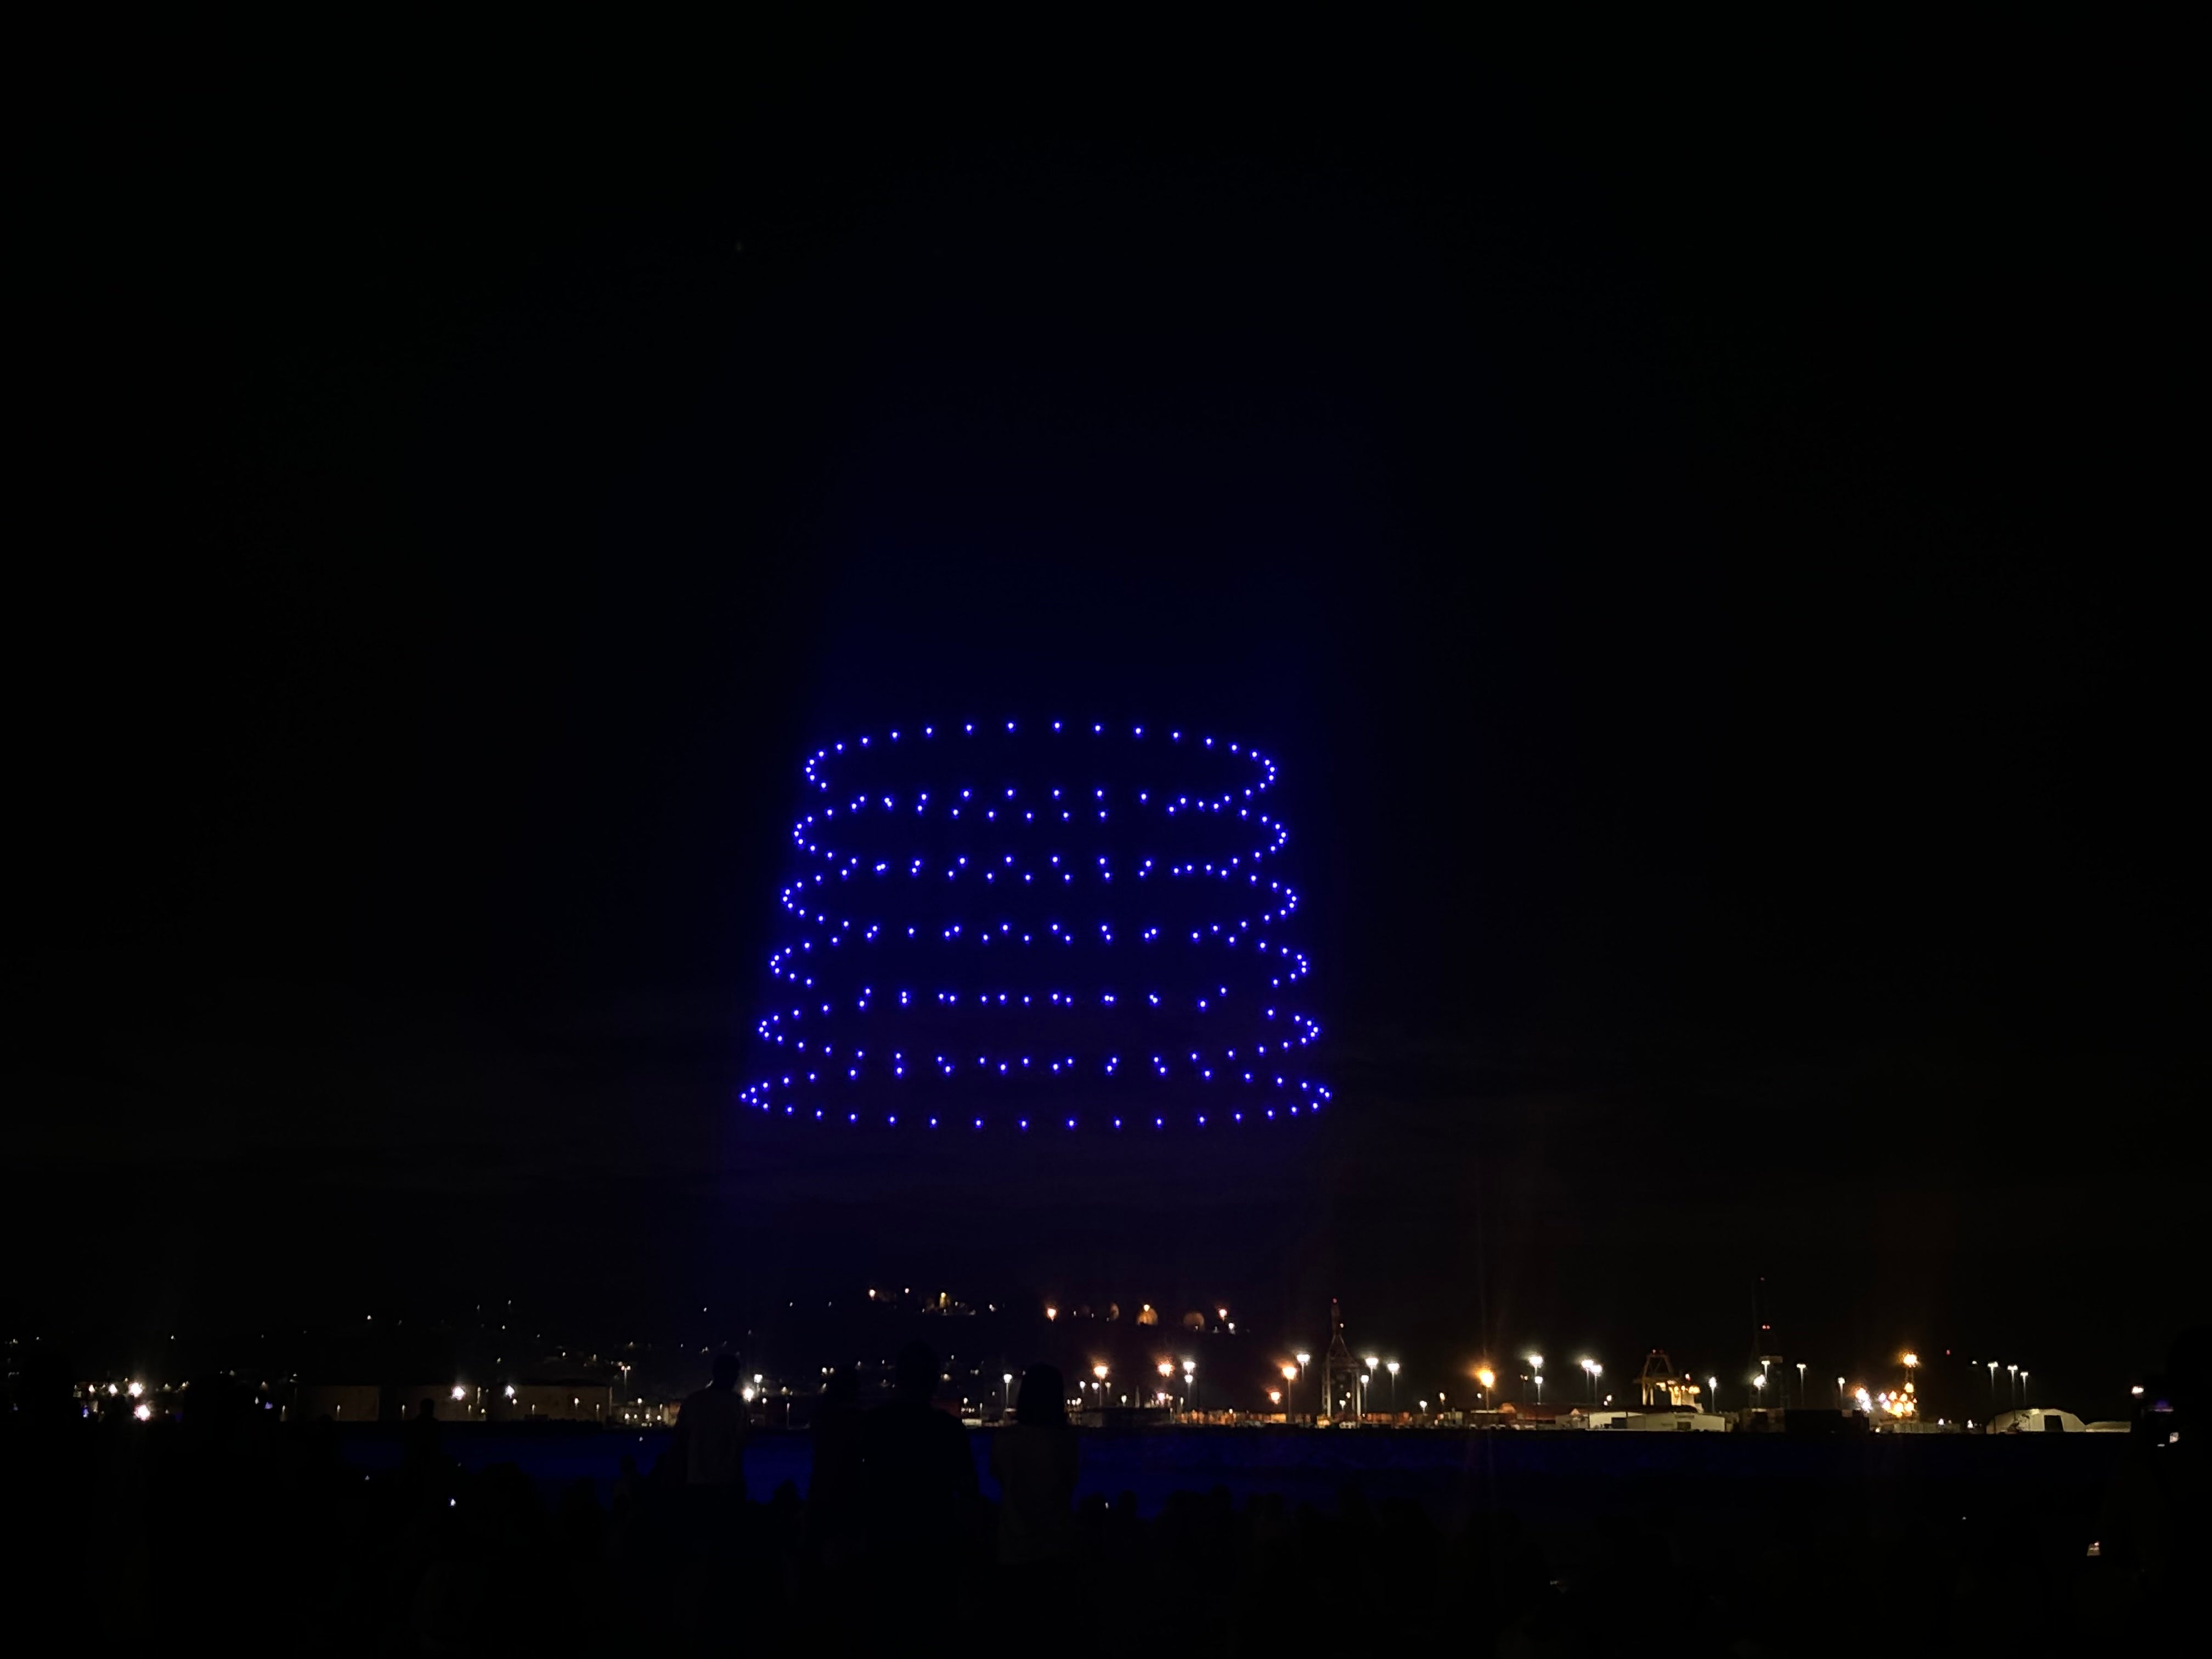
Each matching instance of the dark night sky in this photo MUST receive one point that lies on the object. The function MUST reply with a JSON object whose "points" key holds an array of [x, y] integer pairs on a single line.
{"points": [[1696, 520]]}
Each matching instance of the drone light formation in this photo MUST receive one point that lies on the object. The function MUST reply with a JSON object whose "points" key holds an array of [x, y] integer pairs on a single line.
{"points": [[1057, 927]]}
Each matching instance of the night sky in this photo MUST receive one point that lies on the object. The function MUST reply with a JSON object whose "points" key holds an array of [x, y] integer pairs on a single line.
{"points": [[1694, 520]]}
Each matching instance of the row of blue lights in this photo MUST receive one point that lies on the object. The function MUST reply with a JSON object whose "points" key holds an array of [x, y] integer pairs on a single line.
{"points": [[821, 759], [802, 833], [1306, 1032], [1305, 1029], [1102, 866], [1067, 1067], [1103, 870], [981, 1120], [1068, 1002]]}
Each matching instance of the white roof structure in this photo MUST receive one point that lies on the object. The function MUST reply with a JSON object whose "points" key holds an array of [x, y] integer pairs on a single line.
{"points": [[2036, 1420]]}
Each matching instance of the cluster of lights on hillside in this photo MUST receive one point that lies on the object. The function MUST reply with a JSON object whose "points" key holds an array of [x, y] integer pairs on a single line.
{"points": [[1059, 837]]}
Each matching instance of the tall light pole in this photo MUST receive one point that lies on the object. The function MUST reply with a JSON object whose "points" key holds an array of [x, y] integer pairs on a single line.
{"points": [[1099, 1373], [1290, 1382], [1393, 1369], [2023, 1385], [1167, 1375], [1536, 1365], [1714, 1383], [1488, 1379], [1759, 1383], [1005, 1393], [1839, 1393], [1589, 1376], [1993, 1385], [2012, 1377], [1190, 1384], [1801, 1382]]}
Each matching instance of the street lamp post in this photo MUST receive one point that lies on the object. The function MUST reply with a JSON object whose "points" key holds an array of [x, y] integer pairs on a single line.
{"points": [[1536, 1365], [1190, 1384], [1005, 1393], [1488, 1380], [1714, 1383], [1303, 1359], [1801, 1382], [1839, 1393], [2012, 1377], [2023, 1385], [1098, 1372], [1759, 1383], [1393, 1369]]}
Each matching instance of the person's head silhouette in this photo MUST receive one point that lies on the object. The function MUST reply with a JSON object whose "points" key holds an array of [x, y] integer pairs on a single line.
{"points": [[1044, 1399], [915, 1373], [725, 1371]]}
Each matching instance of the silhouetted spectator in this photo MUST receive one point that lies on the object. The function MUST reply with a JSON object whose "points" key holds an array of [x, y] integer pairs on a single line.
{"points": [[836, 1493], [2154, 1530], [712, 1425], [628, 1483], [1035, 1463], [921, 1493], [425, 1476]]}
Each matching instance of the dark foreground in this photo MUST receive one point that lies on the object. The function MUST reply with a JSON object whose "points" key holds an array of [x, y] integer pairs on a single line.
{"points": [[537, 1540]]}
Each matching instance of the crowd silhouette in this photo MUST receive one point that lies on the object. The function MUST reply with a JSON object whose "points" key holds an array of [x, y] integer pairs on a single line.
{"points": [[228, 1524]]}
